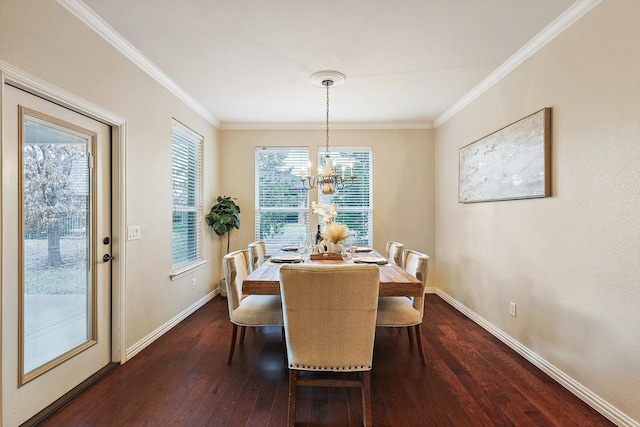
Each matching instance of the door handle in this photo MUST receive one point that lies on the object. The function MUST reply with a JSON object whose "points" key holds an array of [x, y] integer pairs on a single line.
{"points": [[107, 257]]}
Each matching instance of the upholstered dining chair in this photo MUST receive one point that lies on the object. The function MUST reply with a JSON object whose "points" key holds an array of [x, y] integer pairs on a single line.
{"points": [[394, 251], [405, 311], [329, 322], [257, 252], [250, 310]]}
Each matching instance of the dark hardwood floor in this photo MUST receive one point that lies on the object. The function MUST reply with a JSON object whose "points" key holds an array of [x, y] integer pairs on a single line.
{"points": [[182, 379]]}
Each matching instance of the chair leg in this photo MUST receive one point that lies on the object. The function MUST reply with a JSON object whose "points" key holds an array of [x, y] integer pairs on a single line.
{"points": [[284, 348], [293, 378], [243, 329], [366, 398], [419, 340], [410, 334], [234, 334]]}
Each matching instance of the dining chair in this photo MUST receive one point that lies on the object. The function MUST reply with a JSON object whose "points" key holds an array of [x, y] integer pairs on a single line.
{"points": [[248, 310], [394, 251], [407, 311], [257, 253], [329, 322]]}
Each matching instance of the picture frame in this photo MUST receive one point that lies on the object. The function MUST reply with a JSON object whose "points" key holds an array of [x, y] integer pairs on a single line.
{"points": [[511, 163]]}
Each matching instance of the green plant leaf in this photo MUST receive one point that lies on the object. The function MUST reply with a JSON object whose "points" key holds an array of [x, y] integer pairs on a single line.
{"points": [[224, 216]]}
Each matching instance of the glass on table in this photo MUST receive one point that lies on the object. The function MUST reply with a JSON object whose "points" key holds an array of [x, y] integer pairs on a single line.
{"points": [[351, 246], [347, 255], [303, 247]]}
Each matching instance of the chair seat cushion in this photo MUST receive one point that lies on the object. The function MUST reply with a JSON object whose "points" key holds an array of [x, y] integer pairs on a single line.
{"points": [[259, 310], [397, 311]]}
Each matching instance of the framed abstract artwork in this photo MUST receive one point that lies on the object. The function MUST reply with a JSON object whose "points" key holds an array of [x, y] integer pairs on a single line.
{"points": [[511, 163]]}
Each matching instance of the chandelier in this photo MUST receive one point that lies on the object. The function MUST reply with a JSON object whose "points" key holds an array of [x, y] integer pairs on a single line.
{"points": [[329, 181]]}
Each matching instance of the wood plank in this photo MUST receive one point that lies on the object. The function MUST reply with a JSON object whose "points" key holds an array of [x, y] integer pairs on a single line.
{"points": [[182, 379], [394, 281]]}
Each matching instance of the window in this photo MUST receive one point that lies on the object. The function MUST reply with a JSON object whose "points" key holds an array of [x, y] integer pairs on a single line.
{"points": [[355, 204], [282, 205], [187, 208]]}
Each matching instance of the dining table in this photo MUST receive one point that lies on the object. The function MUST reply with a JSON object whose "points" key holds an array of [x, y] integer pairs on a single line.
{"points": [[394, 280]]}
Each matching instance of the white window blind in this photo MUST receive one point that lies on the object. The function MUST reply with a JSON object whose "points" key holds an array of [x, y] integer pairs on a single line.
{"points": [[282, 205], [187, 207], [355, 204]]}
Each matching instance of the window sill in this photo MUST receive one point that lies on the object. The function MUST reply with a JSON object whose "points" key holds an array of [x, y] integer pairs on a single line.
{"points": [[183, 271]]}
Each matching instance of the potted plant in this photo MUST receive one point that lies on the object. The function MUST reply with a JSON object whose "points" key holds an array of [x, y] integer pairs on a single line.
{"points": [[223, 217]]}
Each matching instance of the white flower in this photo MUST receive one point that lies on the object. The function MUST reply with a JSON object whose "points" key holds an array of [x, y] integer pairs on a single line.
{"points": [[327, 212]]}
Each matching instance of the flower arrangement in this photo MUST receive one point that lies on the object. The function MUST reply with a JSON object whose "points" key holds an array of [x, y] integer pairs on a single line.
{"points": [[337, 233], [327, 212]]}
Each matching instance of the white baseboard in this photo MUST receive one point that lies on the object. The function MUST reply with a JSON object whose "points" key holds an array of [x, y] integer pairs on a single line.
{"points": [[143, 343], [590, 398]]}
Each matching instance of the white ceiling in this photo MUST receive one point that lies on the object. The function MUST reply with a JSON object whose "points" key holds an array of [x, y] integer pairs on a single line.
{"points": [[247, 63]]}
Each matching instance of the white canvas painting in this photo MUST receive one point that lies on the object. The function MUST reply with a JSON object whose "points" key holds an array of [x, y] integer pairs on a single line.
{"points": [[512, 163]]}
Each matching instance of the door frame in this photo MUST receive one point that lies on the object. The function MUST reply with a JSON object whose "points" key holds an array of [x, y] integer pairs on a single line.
{"points": [[35, 86]]}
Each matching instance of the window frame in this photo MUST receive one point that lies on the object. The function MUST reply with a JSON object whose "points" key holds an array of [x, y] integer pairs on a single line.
{"points": [[337, 154], [193, 160], [299, 166]]}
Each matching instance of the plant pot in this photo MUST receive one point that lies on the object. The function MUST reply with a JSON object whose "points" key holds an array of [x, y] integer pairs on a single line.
{"points": [[223, 287]]}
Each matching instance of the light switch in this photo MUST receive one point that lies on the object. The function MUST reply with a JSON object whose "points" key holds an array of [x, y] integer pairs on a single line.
{"points": [[133, 232]]}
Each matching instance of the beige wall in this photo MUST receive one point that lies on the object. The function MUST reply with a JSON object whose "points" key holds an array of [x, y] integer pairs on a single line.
{"points": [[46, 41], [403, 178], [571, 262]]}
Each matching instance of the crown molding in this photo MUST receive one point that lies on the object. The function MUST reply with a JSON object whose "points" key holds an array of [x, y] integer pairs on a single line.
{"points": [[322, 126], [39, 87], [564, 21], [97, 24]]}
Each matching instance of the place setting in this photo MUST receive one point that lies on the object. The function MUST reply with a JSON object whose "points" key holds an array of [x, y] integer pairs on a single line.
{"points": [[286, 259], [370, 260]]}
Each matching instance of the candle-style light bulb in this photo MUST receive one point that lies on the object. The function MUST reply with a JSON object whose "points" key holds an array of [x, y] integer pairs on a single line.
{"points": [[327, 166]]}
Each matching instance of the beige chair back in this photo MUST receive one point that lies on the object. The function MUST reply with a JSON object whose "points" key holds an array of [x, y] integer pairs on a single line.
{"points": [[329, 315], [417, 264], [257, 252], [395, 252], [236, 266]]}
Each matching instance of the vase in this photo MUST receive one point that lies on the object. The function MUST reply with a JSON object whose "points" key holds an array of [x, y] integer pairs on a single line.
{"points": [[326, 246]]}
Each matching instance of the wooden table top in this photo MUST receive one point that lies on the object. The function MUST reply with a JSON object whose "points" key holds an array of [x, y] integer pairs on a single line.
{"points": [[394, 281]]}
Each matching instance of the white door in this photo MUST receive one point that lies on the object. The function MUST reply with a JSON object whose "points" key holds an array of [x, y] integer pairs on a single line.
{"points": [[56, 246]]}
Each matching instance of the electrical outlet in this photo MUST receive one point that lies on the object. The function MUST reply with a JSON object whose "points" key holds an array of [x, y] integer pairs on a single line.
{"points": [[193, 283], [512, 309], [133, 232]]}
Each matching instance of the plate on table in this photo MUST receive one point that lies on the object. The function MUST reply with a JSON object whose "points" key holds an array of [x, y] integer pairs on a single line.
{"points": [[371, 260], [289, 248], [286, 258], [361, 249]]}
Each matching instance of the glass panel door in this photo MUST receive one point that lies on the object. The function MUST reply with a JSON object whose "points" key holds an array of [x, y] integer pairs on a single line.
{"points": [[57, 294], [56, 257]]}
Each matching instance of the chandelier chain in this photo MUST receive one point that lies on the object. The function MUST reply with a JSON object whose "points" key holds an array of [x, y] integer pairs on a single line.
{"points": [[327, 83], [329, 181]]}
